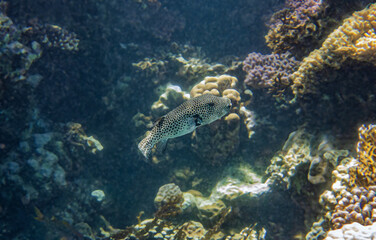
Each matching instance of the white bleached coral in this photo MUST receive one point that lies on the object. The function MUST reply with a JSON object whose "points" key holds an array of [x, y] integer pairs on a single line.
{"points": [[354, 231]]}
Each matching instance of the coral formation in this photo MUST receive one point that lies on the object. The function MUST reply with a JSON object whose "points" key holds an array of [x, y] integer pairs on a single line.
{"points": [[267, 71], [187, 66], [16, 57], [365, 174], [224, 132], [359, 205], [170, 99], [296, 26], [76, 136], [167, 193], [354, 39], [52, 36], [298, 154], [352, 195], [22, 46], [353, 231]]}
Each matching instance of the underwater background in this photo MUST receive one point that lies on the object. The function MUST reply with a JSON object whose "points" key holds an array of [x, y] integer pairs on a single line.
{"points": [[83, 81]]}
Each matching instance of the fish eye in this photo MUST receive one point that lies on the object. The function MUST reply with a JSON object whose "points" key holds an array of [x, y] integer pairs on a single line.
{"points": [[211, 104]]}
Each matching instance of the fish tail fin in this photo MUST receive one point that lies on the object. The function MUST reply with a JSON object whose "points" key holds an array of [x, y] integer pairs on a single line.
{"points": [[146, 145]]}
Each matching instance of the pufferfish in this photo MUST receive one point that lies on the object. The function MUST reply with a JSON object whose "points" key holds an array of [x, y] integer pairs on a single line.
{"points": [[185, 119]]}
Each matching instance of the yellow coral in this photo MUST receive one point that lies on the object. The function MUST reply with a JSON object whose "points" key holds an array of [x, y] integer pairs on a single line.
{"points": [[214, 85], [227, 134], [355, 39], [365, 173]]}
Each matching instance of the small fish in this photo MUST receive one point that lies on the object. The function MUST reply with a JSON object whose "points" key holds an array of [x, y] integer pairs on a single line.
{"points": [[184, 119]]}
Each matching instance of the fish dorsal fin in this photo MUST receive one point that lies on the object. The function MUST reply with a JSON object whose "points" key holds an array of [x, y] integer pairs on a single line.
{"points": [[159, 121]]}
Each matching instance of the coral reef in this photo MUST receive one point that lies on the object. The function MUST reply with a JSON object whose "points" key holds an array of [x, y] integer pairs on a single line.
{"points": [[295, 27], [352, 195], [365, 174], [225, 132], [167, 193], [353, 231], [21, 46], [188, 65], [172, 97], [359, 205], [16, 57], [269, 71], [76, 136], [299, 155], [352, 40], [52, 36]]}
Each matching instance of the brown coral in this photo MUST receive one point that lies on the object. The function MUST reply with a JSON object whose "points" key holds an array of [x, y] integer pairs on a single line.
{"points": [[296, 26], [359, 205], [365, 172], [354, 39]]}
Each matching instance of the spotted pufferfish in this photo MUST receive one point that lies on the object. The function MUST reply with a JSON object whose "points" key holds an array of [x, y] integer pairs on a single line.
{"points": [[185, 119]]}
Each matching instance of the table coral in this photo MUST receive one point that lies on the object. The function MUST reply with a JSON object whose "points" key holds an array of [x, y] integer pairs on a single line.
{"points": [[354, 39]]}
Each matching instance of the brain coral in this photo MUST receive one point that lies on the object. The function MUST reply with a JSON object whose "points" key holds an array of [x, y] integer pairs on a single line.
{"points": [[167, 193], [355, 39]]}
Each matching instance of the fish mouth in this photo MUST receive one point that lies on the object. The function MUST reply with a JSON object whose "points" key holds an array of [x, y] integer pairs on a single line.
{"points": [[228, 107]]}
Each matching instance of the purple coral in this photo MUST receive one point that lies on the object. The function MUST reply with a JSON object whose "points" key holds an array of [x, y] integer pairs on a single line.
{"points": [[305, 7], [262, 70]]}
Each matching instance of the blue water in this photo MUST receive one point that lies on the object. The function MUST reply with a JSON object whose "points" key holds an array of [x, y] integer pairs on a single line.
{"points": [[76, 75]]}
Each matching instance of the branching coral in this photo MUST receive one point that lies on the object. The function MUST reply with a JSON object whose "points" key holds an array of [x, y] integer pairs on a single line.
{"points": [[354, 39]]}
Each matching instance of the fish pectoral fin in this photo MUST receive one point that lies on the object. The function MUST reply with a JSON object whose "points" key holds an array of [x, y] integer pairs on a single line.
{"points": [[162, 146], [159, 121], [198, 120]]}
